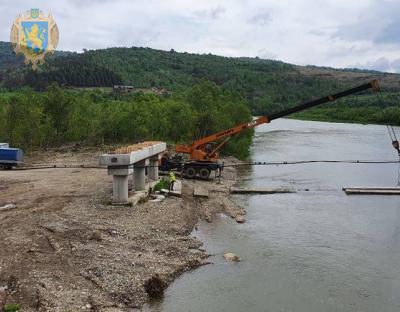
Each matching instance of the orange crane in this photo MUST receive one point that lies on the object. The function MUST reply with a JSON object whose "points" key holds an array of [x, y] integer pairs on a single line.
{"points": [[203, 153]]}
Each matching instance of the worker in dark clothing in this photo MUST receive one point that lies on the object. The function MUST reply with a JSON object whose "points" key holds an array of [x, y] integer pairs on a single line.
{"points": [[396, 146], [172, 180]]}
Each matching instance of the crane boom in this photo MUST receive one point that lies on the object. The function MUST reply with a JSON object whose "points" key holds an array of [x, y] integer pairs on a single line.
{"points": [[374, 85], [222, 134], [198, 149]]}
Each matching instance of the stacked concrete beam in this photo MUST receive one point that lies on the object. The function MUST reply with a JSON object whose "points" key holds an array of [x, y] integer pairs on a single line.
{"points": [[134, 160]]}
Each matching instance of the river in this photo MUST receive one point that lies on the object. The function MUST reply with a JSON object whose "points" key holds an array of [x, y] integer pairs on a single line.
{"points": [[315, 250]]}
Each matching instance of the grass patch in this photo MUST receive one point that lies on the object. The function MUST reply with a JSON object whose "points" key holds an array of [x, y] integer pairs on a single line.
{"points": [[12, 307], [163, 184]]}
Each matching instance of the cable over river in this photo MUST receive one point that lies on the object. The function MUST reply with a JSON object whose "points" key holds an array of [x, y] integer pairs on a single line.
{"points": [[317, 250]]}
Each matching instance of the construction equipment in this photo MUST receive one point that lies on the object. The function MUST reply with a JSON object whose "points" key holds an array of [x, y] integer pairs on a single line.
{"points": [[10, 157], [203, 153]]}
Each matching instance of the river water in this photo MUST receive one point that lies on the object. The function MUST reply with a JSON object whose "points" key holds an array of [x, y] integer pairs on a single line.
{"points": [[316, 250]]}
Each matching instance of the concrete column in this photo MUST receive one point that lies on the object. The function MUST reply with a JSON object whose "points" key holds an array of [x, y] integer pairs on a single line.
{"points": [[120, 188], [153, 168], [120, 183], [139, 175]]}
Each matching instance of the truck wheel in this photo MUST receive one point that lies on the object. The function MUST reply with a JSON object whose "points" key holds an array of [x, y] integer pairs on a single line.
{"points": [[190, 172], [204, 173]]}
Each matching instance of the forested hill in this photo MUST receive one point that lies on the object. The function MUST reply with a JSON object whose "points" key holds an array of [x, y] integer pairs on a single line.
{"points": [[266, 85]]}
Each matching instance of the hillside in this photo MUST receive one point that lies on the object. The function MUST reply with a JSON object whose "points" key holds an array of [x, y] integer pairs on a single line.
{"points": [[266, 85]]}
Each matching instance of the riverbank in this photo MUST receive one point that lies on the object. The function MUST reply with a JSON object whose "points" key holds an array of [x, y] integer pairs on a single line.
{"points": [[63, 248], [373, 115]]}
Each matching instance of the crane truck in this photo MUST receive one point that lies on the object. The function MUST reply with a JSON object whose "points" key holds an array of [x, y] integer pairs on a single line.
{"points": [[203, 154]]}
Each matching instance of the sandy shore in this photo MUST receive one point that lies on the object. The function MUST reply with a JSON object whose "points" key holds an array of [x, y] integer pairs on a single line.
{"points": [[65, 249]]}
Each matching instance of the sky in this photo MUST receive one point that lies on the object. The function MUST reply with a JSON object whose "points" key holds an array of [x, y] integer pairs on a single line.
{"points": [[335, 33]]}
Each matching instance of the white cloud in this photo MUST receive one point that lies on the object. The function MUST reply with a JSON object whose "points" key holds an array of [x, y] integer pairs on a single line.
{"points": [[321, 32]]}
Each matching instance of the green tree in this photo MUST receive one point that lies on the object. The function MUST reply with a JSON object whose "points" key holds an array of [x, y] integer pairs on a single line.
{"points": [[57, 107]]}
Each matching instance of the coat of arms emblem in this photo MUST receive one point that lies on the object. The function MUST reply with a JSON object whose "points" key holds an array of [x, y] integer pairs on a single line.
{"points": [[34, 35]]}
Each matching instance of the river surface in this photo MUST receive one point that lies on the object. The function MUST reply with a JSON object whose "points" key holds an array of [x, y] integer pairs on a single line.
{"points": [[316, 250]]}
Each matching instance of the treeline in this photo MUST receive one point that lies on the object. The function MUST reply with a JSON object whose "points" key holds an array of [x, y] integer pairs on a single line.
{"points": [[65, 71], [265, 84], [378, 108], [32, 119]]}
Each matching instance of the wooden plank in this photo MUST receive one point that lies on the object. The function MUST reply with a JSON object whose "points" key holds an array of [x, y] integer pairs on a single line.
{"points": [[260, 190], [177, 191], [8, 207], [372, 190], [394, 188], [200, 192]]}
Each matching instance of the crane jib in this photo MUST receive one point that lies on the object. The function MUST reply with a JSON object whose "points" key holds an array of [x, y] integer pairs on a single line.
{"points": [[224, 133], [330, 98]]}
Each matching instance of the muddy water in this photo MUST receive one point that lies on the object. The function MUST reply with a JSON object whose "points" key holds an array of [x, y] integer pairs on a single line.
{"points": [[316, 250]]}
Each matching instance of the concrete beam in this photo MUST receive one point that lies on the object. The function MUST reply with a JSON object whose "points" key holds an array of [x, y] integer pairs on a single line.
{"points": [[133, 157], [121, 171]]}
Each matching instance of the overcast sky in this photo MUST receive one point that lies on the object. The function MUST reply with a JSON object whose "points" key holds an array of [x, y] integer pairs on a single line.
{"points": [[337, 33]]}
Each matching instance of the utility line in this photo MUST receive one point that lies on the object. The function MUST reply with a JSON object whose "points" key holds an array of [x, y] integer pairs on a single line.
{"points": [[392, 133], [395, 144], [298, 162], [258, 163]]}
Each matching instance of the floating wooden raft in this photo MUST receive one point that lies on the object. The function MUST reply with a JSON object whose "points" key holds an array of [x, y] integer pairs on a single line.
{"points": [[235, 190], [372, 190]]}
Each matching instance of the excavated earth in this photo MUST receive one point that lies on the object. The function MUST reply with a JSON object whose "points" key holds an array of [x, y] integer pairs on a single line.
{"points": [[65, 248]]}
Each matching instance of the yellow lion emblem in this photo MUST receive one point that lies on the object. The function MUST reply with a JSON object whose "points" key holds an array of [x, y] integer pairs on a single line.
{"points": [[34, 37]]}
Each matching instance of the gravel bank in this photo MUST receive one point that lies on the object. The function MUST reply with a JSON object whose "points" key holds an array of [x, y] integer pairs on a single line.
{"points": [[65, 249]]}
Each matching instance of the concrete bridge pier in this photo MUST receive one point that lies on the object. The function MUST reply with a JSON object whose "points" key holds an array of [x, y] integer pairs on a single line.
{"points": [[120, 189], [153, 168], [139, 175], [120, 183], [132, 160]]}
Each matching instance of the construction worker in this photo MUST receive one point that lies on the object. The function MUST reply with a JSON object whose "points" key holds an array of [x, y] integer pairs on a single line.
{"points": [[396, 146], [172, 180]]}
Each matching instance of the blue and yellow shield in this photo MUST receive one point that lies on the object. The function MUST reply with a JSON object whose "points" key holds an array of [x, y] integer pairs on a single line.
{"points": [[35, 35]]}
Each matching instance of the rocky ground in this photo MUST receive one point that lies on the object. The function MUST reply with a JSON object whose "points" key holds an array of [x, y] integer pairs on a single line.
{"points": [[64, 248]]}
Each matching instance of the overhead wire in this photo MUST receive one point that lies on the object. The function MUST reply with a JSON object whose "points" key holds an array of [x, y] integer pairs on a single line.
{"points": [[392, 133], [241, 164], [298, 162], [393, 137], [395, 143]]}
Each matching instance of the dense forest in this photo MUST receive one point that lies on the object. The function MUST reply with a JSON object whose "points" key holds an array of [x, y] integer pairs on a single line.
{"points": [[57, 116], [266, 85], [207, 93]]}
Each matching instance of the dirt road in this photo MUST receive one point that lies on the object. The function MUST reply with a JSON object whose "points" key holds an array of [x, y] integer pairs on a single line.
{"points": [[64, 248]]}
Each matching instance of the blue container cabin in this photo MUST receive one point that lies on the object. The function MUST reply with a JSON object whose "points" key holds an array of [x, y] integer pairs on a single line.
{"points": [[10, 157]]}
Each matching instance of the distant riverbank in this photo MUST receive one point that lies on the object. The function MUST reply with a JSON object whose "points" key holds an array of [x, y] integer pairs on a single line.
{"points": [[384, 110]]}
